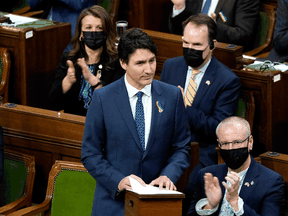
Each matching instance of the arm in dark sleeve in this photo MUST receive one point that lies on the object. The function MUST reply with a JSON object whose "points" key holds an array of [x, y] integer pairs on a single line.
{"points": [[175, 23], [240, 32], [180, 149], [225, 106], [281, 28], [92, 153]]}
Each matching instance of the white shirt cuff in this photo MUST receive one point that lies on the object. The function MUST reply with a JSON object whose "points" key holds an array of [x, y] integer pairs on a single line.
{"points": [[199, 207], [240, 207], [176, 12]]}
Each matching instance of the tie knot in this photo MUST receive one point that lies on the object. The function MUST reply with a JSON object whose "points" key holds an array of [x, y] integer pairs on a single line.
{"points": [[195, 72], [139, 94]]}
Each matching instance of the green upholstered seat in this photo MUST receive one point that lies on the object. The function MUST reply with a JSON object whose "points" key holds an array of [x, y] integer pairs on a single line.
{"points": [[13, 185], [17, 185], [73, 193]]}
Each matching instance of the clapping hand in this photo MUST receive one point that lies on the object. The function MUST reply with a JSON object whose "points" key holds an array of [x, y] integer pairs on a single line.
{"points": [[71, 72], [232, 191], [178, 4], [212, 190]]}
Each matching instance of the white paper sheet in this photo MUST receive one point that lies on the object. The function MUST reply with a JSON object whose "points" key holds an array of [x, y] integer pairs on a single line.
{"points": [[138, 188], [18, 20]]}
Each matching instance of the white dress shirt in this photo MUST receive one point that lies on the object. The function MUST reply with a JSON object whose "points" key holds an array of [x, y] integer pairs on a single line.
{"points": [[198, 76], [212, 8], [147, 104]]}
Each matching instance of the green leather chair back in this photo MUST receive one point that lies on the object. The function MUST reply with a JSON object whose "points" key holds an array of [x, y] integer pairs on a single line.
{"points": [[73, 193], [107, 4], [242, 108], [13, 184]]}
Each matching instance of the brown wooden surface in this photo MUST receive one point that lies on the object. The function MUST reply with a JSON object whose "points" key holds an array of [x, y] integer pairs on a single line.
{"points": [[45, 135], [4, 85], [158, 205], [33, 60], [270, 119], [277, 163]]}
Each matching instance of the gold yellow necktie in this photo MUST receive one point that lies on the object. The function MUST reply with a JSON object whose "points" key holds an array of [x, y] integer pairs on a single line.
{"points": [[192, 89]]}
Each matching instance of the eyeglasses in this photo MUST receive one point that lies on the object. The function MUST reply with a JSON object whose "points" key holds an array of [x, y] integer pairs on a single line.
{"points": [[235, 142]]}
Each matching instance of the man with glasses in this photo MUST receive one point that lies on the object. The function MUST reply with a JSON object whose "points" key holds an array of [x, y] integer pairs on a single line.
{"points": [[240, 186]]}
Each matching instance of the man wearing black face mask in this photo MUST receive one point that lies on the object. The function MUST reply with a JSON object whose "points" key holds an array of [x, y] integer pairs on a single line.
{"points": [[241, 186], [211, 90]]}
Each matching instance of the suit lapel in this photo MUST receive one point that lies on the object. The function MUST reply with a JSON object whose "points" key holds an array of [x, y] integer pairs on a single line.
{"points": [[123, 104], [219, 7], [156, 115], [251, 180], [206, 82], [181, 78]]}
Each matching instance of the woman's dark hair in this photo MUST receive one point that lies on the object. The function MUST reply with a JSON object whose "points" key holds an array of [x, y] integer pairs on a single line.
{"points": [[109, 49], [132, 40]]}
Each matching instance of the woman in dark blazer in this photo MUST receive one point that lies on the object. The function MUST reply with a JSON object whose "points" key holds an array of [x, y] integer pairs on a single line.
{"points": [[91, 64]]}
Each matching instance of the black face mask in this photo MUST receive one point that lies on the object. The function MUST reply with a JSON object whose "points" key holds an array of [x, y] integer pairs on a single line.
{"points": [[94, 40], [234, 158], [193, 58]]}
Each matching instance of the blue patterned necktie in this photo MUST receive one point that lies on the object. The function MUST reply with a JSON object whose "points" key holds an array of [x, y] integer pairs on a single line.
{"points": [[206, 7], [139, 119]]}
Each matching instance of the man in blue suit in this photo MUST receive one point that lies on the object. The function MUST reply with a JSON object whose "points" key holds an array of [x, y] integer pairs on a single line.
{"points": [[247, 188], [216, 88], [134, 127]]}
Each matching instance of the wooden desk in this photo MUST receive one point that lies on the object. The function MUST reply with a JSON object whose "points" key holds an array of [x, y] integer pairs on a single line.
{"points": [[277, 163], [35, 51], [45, 135], [153, 205], [271, 116]]}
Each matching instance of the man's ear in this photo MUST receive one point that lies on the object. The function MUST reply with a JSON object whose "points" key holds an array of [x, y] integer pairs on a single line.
{"points": [[250, 144], [123, 64], [213, 45]]}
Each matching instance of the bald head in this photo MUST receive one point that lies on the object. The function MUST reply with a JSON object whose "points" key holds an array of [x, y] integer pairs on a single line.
{"points": [[234, 123]]}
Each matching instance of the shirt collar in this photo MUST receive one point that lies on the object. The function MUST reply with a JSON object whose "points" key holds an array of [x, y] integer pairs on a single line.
{"points": [[132, 91]]}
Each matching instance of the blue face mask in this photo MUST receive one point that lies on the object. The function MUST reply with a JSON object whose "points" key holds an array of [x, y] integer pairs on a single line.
{"points": [[94, 39]]}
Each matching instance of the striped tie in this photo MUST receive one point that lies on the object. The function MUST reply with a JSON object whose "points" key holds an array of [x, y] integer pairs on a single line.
{"points": [[192, 89]]}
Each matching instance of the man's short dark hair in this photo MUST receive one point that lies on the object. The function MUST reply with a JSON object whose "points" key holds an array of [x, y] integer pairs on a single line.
{"points": [[203, 19], [132, 40]]}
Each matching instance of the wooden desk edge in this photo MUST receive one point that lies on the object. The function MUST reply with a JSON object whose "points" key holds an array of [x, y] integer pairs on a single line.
{"points": [[155, 196]]}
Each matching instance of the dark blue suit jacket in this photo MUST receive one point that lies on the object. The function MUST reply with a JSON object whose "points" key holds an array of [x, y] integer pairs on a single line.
{"points": [[212, 104], [111, 148], [264, 197], [279, 52]]}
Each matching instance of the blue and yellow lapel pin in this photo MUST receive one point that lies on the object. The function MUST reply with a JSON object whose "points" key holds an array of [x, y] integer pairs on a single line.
{"points": [[160, 109]]}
